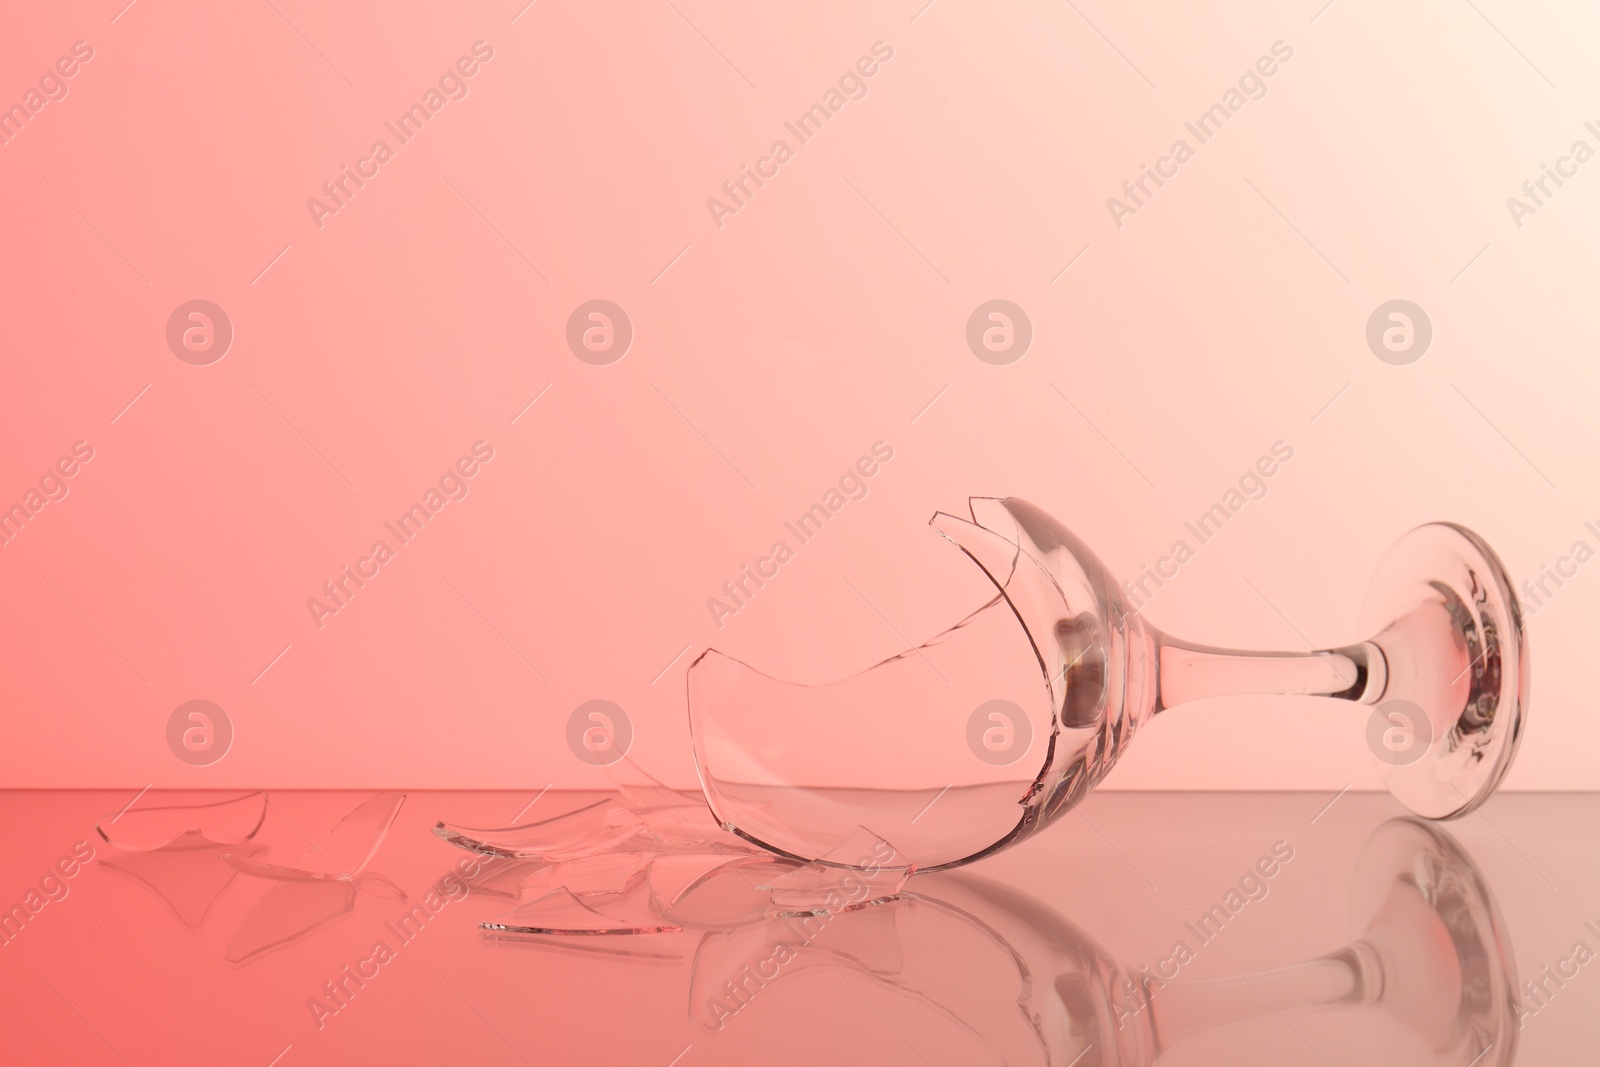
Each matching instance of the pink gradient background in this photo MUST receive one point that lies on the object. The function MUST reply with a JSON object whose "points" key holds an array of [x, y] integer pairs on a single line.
{"points": [[768, 355]]}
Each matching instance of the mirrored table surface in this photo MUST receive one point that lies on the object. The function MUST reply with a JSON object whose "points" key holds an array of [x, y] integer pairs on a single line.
{"points": [[295, 928]]}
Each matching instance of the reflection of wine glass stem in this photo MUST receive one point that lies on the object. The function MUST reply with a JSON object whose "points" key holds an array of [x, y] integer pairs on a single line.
{"points": [[1181, 1009], [1194, 672]]}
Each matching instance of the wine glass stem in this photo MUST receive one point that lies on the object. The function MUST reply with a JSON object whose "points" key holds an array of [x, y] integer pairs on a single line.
{"points": [[1194, 672]]}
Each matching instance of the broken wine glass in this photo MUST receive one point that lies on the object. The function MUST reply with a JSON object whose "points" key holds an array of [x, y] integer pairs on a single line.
{"points": [[986, 734]]}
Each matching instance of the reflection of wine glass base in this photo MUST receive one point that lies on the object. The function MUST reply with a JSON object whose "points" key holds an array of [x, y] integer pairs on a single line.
{"points": [[1453, 647], [1415, 894], [1429, 953]]}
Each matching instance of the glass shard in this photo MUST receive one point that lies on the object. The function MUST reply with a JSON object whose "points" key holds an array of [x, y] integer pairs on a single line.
{"points": [[728, 893], [689, 824], [560, 912], [343, 852], [672, 876], [153, 826], [640, 790], [864, 869], [671, 817], [603, 874], [351, 844], [278, 872], [380, 886], [610, 948], [585, 832], [501, 877]]}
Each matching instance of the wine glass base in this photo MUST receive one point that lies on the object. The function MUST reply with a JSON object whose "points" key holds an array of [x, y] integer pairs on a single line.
{"points": [[1456, 659]]}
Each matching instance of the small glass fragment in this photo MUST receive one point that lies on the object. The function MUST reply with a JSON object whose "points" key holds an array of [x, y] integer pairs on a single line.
{"points": [[864, 869], [342, 854], [610, 948], [226, 822], [605, 874], [586, 832], [502, 877], [690, 824], [728, 891], [277, 872], [560, 912], [672, 876], [352, 843], [671, 817], [320, 886]]}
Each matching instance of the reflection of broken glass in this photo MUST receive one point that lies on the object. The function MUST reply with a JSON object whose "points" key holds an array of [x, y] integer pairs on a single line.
{"points": [[177, 850], [188, 880], [673, 876], [671, 818], [863, 870], [925, 960], [248, 863], [585, 832], [501, 877], [225, 822], [682, 876], [605, 852], [974, 972], [983, 735], [606, 874], [288, 912], [688, 824], [609, 948], [319, 887], [870, 942], [560, 912], [728, 891], [932, 962], [346, 849], [642, 791]]}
